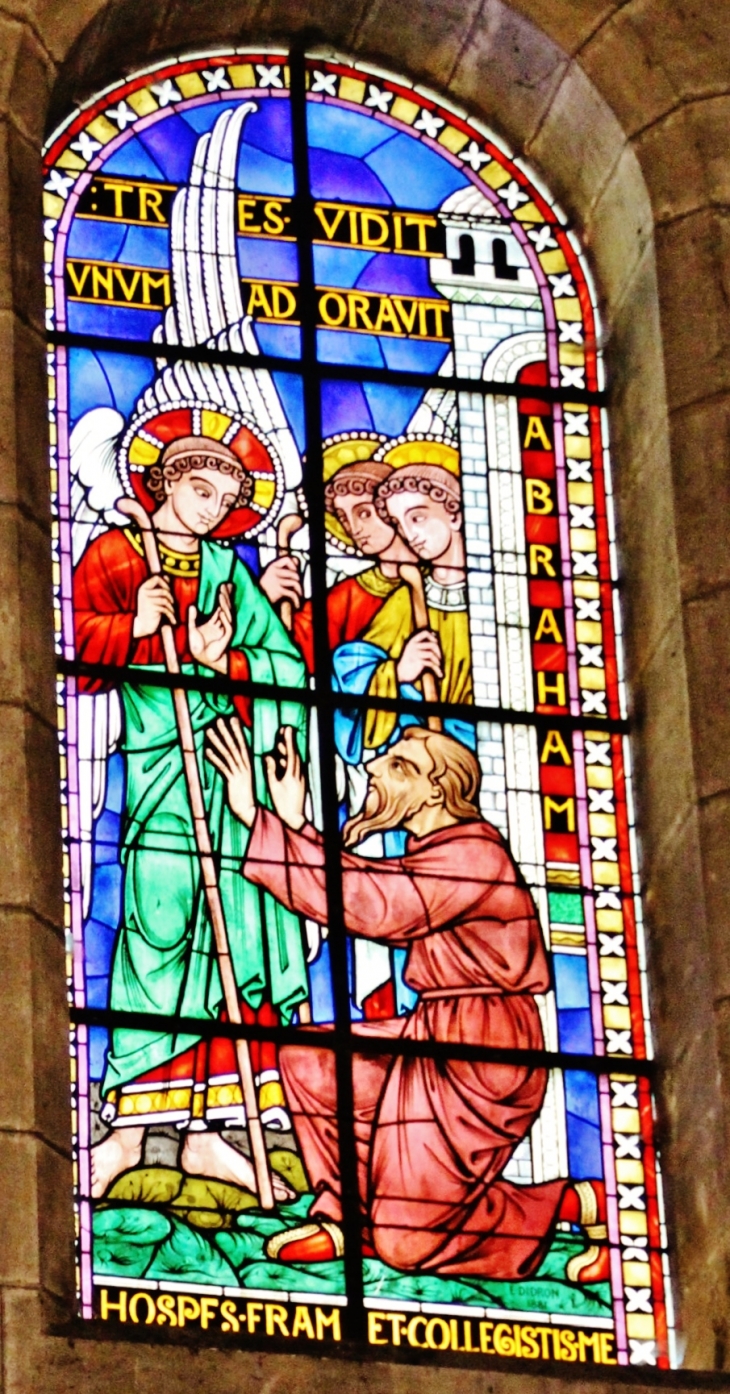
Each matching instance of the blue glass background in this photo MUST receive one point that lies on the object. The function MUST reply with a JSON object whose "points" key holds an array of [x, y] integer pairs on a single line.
{"points": [[353, 157]]}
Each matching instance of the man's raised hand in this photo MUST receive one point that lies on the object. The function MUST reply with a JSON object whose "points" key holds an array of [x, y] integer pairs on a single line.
{"points": [[155, 606], [209, 641], [281, 581], [420, 653], [227, 749], [285, 778]]}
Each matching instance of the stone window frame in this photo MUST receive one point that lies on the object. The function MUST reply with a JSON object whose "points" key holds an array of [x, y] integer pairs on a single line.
{"points": [[633, 179]]}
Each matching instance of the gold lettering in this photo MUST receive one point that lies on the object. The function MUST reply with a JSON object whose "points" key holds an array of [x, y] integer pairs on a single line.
{"points": [[605, 1341], [119, 190], [332, 1321], [536, 431], [275, 1317], [375, 1322], [559, 807], [528, 1343], [485, 1337], [134, 1306], [253, 1315], [208, 1307], [467, 1346], [540, 555], [246, 213], [423, 319], [411, 1332], [166, 1309], [377, 238], [398, 230], [422, 222], [257, 300], [397, 1323], [302, 1322], [326, 315], [229, 1313], [547, 625], [439, 311], [539, 496], [445, 1332], [102, 279], [570, 1350], [555, 745], [408, 319], [544, 1333], [284, 302], [78, 283], [330, 228], [359, 305], [387, 317], [274, 223], [589, 1339], [150, 202], [187, 1308], [503, 1340], [107, 1306], [151, 282], [546, 690], [127, 290]]}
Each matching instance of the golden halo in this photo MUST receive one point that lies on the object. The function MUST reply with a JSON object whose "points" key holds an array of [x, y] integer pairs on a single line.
{"points": [[347, 448], [420, 450]]}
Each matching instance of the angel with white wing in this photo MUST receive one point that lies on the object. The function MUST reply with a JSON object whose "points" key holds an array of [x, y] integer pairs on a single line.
{"points": [[209, 454]]}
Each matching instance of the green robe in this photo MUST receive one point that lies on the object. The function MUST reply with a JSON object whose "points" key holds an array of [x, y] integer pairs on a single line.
{"points": [[164, 959]]}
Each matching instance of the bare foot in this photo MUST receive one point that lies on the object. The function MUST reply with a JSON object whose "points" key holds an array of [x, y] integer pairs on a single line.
{"points": [[118, 1152], [208, 1154]]}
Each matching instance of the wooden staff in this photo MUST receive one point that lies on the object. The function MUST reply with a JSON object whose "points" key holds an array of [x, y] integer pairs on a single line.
{"points": [[288, 525], [207, 867], [414, 581]]}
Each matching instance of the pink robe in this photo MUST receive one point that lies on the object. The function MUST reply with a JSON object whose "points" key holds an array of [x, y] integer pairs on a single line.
{"points": [[432, 1138]]}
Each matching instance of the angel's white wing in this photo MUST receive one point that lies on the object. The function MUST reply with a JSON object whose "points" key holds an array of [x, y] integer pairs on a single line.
{"points": [[436, 416], [95, 481], [95, 488], [208, 307]]}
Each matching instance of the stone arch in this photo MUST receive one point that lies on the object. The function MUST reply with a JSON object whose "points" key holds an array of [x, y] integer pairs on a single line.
{"points": [[553, 81]]}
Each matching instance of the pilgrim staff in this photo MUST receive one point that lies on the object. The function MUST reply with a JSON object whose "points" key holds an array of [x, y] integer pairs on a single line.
{"points": [[209, 874], [414, 581]]}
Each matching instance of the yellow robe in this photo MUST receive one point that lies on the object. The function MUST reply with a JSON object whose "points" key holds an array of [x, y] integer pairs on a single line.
{"points": [[392, 627]]}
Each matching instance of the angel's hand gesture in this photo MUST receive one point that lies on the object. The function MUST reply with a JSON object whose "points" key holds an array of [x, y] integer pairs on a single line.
{"points": [[227, 749], [155, 606], [209, 642]]}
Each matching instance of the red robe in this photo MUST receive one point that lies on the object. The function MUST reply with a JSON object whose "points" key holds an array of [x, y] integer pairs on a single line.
{"points": [[350, 609], [106, 582], [432, 1138]]}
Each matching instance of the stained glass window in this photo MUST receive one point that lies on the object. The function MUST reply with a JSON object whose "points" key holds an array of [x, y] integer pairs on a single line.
{"points": [[360, 1050]]}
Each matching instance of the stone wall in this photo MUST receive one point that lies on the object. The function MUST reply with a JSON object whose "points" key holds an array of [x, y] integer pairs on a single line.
{"points": [[624, 107]]}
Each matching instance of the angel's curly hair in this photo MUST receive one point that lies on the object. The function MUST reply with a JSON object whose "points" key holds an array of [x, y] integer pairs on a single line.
{"points": [[362, 477], [196, 453], [432, 480]]}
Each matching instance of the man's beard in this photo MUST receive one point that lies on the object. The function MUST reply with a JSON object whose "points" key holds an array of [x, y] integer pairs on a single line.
{"points": [[381, 812]]}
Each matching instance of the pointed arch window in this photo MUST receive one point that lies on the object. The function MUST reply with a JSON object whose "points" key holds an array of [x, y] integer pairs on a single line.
{"points": [[359, 1042]]}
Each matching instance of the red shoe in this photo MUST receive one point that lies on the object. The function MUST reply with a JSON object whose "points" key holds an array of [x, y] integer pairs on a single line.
{"points": [[315, 1243], [592, 1266], [584, 1204]]}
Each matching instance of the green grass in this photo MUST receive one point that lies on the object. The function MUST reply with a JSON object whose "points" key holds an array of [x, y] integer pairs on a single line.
{"points": [[158, 1224]]}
